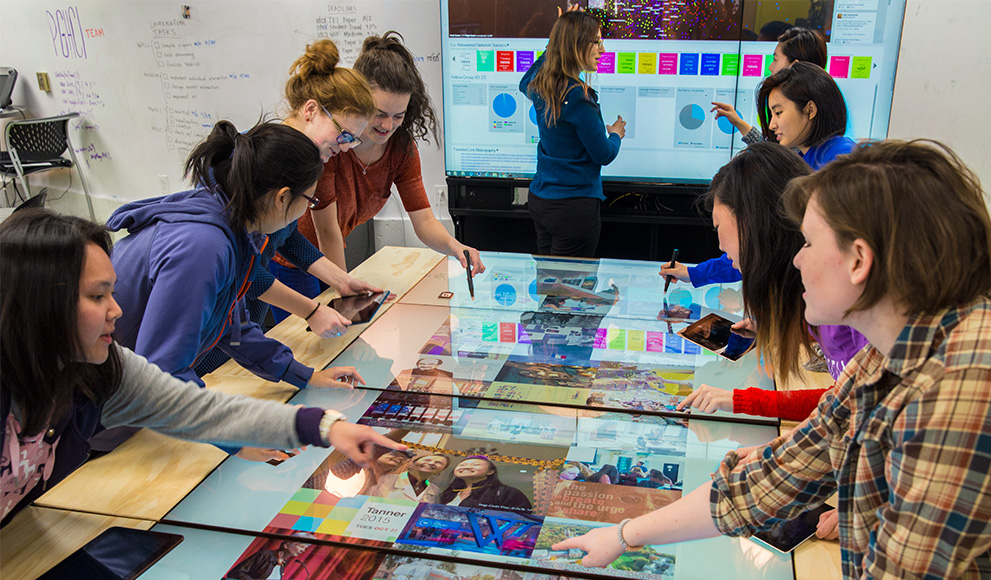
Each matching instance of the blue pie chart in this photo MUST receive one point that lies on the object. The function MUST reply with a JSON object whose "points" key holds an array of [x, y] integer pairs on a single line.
{"points": [[504, 105], [691, 117], [725, 126], [505, 294], [533, 115]]}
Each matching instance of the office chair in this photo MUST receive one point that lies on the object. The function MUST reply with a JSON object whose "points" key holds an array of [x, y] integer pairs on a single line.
{"points": [[36, 145], [8, 77], [36, 201]]}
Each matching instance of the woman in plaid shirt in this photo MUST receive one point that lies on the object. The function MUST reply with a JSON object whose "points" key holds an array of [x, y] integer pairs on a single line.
{"points": [[905, 438]]}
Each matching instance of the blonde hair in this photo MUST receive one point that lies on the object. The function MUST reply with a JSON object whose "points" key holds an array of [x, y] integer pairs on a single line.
{"points": [[315, 75]]}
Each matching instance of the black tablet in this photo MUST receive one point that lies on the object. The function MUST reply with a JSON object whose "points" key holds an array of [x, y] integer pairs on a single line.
{"points": [[116, 554], [715, 333], [360, 308], [788, 535]]}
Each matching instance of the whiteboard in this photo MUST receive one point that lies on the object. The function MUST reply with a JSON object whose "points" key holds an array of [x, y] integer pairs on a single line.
{"points": [[150, 82]]}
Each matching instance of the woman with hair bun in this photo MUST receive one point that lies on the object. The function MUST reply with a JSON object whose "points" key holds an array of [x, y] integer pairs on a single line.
{"points": [[189, 257], [356, 185], [331, 105]]}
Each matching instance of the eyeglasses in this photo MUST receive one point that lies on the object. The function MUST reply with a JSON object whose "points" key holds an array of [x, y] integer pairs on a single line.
{"points": [[312, 202], [600, 42], [345, 136]]}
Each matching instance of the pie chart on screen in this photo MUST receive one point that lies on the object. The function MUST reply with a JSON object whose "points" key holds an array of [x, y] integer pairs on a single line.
{"points": [[504, 105], [725, 126], [691, 117]]}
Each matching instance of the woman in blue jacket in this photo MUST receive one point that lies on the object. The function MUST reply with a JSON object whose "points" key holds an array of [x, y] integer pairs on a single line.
{"points": [[566, 192]]}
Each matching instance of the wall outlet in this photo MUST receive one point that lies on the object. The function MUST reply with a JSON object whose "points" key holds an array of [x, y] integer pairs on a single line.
{"points": [[163, 182], [441, 195], [44, 85]]}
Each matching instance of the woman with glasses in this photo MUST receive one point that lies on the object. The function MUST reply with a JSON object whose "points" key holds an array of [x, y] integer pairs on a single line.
{"points": [[331, 105], [356, 185], [566, 192], [189, 257]]}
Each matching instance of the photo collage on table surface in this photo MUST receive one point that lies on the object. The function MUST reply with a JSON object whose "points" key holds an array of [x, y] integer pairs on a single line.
{"points": [[485, 478], [551, 358]]}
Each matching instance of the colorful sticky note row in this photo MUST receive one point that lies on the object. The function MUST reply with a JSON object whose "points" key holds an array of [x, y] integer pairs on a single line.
{"points": [[669, 63]]}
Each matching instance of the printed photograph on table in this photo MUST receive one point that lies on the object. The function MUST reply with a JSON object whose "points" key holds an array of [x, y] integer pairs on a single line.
{"points": [[412, 568], [446, 469], [293, 556], [594, 502], [496, 533], [642, 562]]}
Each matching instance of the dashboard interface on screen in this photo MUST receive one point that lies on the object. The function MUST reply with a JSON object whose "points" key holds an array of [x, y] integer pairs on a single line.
{"points": [[664, 65]]}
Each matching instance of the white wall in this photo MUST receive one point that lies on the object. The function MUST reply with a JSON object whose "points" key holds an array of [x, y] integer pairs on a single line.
{"points": [[941, 91], [943, 84]]}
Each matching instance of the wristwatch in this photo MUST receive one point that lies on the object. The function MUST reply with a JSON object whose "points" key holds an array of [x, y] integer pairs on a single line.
{"points": [[330, 417]]}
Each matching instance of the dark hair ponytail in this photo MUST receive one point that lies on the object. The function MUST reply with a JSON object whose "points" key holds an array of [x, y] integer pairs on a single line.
{"points": [[248, 166], [805, 45], [389, 66], [42, 257]]}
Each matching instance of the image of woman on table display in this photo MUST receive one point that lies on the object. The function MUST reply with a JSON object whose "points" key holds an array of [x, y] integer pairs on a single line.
{"points": [[794, 45], [476, 484], [355, 186], [190, 256], [64, 377], [901, 438], [566, 191], [415, 481]]}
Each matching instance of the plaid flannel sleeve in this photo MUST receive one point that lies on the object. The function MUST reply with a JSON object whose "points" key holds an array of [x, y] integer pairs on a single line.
{"points": [[777, 482]]}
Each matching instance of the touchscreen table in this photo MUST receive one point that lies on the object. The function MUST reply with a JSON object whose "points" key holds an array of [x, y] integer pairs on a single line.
{"points": [[528, 421]]}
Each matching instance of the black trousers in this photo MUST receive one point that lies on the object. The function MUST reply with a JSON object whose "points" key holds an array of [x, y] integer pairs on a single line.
{"points": [[566, 227]]}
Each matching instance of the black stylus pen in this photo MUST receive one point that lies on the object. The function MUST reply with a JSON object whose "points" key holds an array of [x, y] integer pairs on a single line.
{"points": [[667, 279], [471, 285]]}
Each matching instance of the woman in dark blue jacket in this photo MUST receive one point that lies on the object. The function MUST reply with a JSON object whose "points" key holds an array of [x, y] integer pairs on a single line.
{"points": [[566, 191]]}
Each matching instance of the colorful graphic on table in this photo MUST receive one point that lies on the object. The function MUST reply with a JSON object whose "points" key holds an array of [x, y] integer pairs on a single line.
{"points": [[647, 560], [472, 530]]}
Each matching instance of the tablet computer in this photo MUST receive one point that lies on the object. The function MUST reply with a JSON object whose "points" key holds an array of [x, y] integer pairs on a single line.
{"points": [[786, 536], [116, 554], [715, 333], [361, 308]]}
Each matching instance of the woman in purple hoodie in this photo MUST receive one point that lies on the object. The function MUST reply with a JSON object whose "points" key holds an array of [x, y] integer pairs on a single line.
{"points": [[189, 257]]}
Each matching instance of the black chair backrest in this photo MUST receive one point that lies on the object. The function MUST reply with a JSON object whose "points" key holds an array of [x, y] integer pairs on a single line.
{"points": [[34, 201], [8, 77], [37, 139]]}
